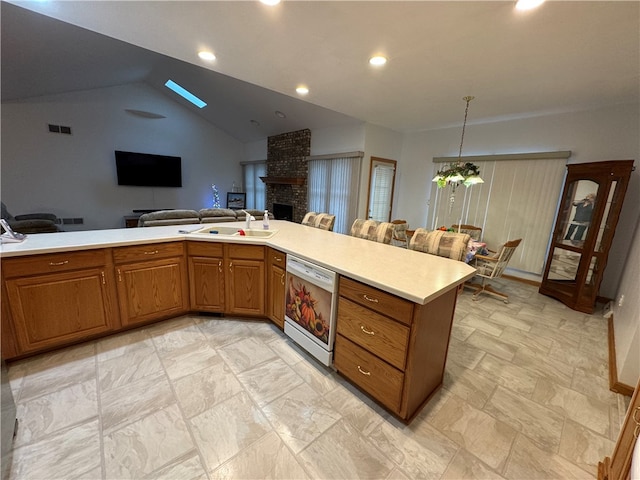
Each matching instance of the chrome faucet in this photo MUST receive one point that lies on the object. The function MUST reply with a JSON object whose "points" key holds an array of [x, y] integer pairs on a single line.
{"points": [[248, 218]]}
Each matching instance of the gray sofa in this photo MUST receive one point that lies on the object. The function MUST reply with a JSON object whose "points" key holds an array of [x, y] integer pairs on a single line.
{"points": [[31, 222], [205, 215]]}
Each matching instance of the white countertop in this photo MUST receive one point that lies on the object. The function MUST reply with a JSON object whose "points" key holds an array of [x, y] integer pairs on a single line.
{"points": [[415, 276]]}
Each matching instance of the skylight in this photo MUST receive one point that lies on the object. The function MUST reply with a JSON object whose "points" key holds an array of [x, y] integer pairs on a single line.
{"points": [[184, 93]]}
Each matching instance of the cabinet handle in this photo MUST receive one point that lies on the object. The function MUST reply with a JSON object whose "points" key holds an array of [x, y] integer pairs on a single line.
{"points": [[151, 253], [372, 300], [231, 267], [278, 259], [104, 282], [119, 275], [636, 415], [57, 264], [368, 332], [282, 279], [368, 374], [220, 266]]}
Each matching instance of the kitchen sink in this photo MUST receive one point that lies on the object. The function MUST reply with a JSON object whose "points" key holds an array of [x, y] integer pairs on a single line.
{"points": [[215, 230], [235, 232]]}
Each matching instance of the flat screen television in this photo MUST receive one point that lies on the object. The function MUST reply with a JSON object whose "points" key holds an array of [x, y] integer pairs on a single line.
{"points": [[148, 170]]}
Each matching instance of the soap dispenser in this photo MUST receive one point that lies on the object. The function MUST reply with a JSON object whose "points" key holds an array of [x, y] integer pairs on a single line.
{"points": [[265, 221]]}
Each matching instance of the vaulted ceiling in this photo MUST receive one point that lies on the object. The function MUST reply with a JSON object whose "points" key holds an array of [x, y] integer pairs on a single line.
{"points": [[564, 56]]}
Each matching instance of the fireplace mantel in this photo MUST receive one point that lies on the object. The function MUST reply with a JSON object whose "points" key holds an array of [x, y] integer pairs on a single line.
{"points": [[283, 180]]}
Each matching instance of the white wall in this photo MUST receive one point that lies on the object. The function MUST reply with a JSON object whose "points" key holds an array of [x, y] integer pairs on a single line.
{"points": [[74, 175], [626, 317]]}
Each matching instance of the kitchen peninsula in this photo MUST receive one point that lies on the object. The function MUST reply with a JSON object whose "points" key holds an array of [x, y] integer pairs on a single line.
{"points": [[62, 288]]}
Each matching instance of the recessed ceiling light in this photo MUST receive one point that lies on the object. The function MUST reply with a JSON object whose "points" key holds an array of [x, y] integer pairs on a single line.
{"points": [[378, 60], [206, 55], [279, 114], [270, 2], [184, 93], [302, 90], [528, 4]]}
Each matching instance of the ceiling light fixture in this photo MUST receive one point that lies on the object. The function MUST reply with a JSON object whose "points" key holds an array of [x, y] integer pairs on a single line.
{"points": [[206, 55], [457, 172], [271, 3], [528, 4], [377, 60], [302, 90], [279, 114], [184, 93]]}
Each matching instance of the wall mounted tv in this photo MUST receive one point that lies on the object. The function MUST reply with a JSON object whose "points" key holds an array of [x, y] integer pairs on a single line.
{"points": [[148, 170]]}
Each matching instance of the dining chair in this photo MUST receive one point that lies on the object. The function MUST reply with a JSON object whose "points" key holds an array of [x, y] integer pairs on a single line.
{"points": [[441, 243], [492, 266], [323, 221], [381, 232], [400, 233], [475, 232]]}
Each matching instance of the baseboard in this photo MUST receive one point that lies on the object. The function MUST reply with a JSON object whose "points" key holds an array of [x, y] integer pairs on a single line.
{"points": [[614, 384], [522, 280]]}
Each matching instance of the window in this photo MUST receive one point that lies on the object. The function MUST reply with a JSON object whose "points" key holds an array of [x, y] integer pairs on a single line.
{"points": [[254, 187], [333, 187], [519, 199]]}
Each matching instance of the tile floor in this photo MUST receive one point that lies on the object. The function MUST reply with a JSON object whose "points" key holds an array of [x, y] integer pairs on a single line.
{"points": [[525, 395]]}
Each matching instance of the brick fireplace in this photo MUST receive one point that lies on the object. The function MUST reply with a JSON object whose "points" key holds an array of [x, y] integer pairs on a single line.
{"points": [[287, 171]]}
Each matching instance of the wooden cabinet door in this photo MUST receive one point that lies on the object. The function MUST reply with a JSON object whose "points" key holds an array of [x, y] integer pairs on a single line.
{"points": [[206, 283], [54, 309], [245, 291], [246, 287], [152, 290], [276, 295]]}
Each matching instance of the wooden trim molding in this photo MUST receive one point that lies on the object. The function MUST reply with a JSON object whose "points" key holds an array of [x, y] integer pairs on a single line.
{"points": [[283, 180], [508, 156], [614, 384]]}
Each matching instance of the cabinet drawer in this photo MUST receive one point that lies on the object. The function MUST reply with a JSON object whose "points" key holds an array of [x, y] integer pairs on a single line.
{"points": [[53, 262], [276, 257], [204, 249], [249, 252], [369, 373], [377, 300], [383, 337], [151, 251]]}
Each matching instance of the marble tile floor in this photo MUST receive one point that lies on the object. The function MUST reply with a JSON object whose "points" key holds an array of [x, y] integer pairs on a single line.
{"points": [[525, 396]]}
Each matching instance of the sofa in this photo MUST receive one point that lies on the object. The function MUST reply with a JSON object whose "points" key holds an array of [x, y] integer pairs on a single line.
{"points": [[31, 222], [187, 217]]}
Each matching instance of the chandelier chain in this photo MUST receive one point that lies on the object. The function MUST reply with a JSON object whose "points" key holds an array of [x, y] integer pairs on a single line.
{"points": [[464, 124]]}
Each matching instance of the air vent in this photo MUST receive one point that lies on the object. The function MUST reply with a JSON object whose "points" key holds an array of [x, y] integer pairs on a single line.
{"points": [[72, 221], [59, 129]]}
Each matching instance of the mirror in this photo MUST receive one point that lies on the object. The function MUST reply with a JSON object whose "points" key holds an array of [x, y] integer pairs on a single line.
{"points": [[579, 212]]}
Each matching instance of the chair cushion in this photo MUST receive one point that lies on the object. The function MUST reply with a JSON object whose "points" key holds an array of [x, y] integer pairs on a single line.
{"points": [[373, 230], [444, 244]]}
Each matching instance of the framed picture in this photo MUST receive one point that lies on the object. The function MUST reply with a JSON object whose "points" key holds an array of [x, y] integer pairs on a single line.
{"points": [[236, 201]]}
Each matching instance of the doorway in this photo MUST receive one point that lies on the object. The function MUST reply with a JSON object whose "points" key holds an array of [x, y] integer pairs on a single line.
{"points": [[382, 179]]}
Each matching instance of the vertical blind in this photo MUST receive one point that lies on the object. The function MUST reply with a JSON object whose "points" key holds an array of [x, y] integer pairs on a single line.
{"points": [[333, 188], [519, 199], [253, 185], [381, 189]]}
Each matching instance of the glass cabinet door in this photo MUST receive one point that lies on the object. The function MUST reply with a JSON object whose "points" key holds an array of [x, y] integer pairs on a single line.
{"points": [[587, 217]]}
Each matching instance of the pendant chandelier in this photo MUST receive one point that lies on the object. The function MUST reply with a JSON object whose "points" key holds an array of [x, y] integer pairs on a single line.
{"points": [[457, 173]]}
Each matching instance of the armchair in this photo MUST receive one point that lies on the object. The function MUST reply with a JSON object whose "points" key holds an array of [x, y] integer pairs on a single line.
{"points": [[489, 267]]}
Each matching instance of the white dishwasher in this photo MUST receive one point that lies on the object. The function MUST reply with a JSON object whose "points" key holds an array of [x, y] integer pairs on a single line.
{"points": [[310, 307]]}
